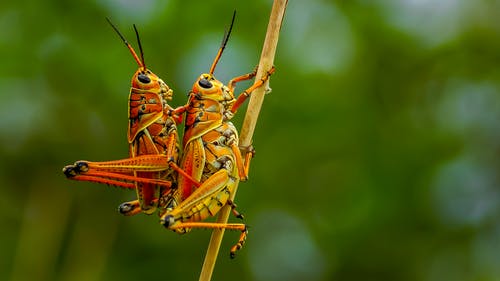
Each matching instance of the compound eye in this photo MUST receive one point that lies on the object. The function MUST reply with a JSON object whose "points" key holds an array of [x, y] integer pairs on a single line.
{"points": [[204, 83], [143, 78]]}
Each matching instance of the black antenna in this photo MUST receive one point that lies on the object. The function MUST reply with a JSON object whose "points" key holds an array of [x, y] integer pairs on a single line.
{"points": [[223, 44], [141, 64], [117, 31], [140, 46]]}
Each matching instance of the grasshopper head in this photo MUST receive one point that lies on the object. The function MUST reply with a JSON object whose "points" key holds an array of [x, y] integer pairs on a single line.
{"points": [[144, 79], [208, 87], [206, 84]]}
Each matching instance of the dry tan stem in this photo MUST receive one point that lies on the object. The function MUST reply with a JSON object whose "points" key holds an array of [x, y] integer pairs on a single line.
{"points": [[252, 114]]}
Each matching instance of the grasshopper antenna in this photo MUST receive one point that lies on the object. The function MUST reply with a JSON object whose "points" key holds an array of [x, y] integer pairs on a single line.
{"points": [[140, 47], [139, 62], [223, 44]]}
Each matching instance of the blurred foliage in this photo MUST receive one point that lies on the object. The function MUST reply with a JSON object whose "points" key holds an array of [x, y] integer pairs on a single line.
{"points": [[377, 152]]}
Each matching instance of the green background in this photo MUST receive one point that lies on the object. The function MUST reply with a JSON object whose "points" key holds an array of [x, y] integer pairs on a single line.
{"points": [[377, 151]]}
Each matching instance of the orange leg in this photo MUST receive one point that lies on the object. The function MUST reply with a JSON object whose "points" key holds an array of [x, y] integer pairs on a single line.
{"points": [[241, 166], [243, 96], [233, 209], [103, 180], [249, 153], [110, 178], [204, 202], [117, 169], [130, 208], [133, 207], [212, 225], [244, 77]]}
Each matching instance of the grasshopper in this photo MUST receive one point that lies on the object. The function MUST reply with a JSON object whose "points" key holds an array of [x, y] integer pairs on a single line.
{"points": [[211, 163], [210, 153], [151, 132]]}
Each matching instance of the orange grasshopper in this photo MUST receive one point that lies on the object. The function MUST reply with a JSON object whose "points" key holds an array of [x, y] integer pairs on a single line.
{"points": [[210, 153], [210, 156], [151, 131]]}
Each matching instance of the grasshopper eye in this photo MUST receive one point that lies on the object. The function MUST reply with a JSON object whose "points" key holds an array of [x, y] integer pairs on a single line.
{"points": [[143, 78], [204, 83]]}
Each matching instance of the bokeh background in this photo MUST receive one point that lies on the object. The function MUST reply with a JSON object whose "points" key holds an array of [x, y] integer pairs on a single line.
{"points": [[377, 151]]}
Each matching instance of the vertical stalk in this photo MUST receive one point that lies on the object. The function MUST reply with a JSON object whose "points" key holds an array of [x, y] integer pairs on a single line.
{"points": [[252, 114]]}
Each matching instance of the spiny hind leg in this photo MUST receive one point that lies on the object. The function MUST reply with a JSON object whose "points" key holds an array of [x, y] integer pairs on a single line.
{"points": [[81, 171], [213, 225], [204, 202], [73, 172]]}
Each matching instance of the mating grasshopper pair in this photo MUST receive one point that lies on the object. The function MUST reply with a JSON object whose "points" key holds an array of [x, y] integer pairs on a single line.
{"points": [[189, 186]]}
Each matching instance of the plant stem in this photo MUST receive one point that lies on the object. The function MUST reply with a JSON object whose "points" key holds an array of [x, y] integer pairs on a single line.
{"points": [[252, 114]]}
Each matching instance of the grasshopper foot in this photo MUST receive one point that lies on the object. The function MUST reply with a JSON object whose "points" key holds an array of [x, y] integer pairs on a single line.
{"points": [[247, 150], [76, 169], [129, 208], [69, 171]]}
